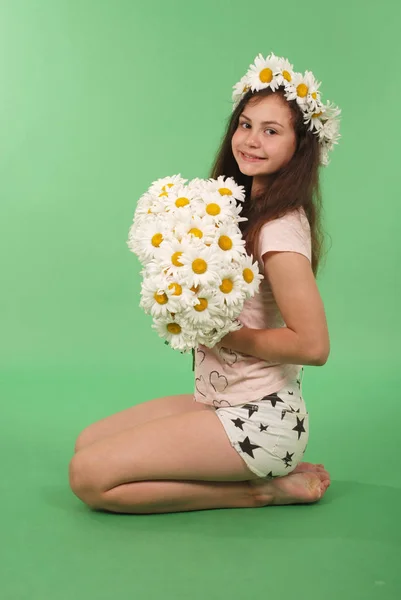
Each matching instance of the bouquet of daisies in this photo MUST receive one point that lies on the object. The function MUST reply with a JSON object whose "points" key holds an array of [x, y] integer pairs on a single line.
{"points": [[197, 274]]}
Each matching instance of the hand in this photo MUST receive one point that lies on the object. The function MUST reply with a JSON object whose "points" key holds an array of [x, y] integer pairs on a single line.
{"points": [[238, 340]]}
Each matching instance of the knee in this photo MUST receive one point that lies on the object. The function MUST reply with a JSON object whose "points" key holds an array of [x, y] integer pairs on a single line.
{"points": [[81, 481]]}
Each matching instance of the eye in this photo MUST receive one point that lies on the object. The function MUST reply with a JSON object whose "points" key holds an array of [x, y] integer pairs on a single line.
{"points": [[244, 123]]}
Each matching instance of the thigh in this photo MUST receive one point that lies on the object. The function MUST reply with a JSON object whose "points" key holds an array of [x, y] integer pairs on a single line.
{"points": [[150, 410], [189, 446]]}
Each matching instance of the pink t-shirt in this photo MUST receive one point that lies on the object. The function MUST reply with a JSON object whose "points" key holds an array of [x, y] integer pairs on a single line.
{"points": [[226, 377]]}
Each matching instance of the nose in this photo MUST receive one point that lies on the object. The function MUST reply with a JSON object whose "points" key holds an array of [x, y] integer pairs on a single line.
{"points": [[252, 139]]}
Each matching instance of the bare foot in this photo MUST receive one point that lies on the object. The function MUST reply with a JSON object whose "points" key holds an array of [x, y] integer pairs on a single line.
{"points": [[299, 488], [305, 466]]}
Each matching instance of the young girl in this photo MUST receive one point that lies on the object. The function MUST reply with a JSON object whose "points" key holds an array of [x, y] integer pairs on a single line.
{"points": [[239, 440]]}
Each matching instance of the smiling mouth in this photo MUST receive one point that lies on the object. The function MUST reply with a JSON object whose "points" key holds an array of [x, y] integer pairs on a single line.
{"points": [[249, 157]]}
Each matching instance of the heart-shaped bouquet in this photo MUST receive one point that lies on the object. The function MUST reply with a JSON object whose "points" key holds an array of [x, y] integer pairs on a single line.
{"points": [[197, 274]]}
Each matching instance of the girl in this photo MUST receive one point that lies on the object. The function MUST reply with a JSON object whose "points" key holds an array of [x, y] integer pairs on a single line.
{"points": [[238, 441]]}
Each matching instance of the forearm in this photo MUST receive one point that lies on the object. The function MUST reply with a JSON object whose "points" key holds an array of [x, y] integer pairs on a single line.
{"points": [[281, 345]]}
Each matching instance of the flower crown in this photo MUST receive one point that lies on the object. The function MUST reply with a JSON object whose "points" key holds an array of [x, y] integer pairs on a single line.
{"points": [[275, 72]]}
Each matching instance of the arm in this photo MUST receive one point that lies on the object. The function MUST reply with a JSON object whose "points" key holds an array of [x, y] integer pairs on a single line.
{"points": [[305, 339]]}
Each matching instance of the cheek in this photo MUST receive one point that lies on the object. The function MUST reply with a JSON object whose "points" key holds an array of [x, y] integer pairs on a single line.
{"points": [[237, 138]]}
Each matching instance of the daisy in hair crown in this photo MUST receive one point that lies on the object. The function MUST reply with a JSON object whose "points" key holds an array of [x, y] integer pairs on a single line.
{"points": [[274, 72]]}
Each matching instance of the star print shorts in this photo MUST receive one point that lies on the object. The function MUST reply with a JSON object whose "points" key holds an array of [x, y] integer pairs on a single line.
{"points": [[270, 434]]}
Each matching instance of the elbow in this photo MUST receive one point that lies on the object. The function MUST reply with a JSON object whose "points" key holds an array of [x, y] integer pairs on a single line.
{"points": [[316, 354], [320, 357]]}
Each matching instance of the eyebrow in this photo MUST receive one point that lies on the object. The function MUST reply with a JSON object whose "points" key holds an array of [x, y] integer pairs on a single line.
{"points": [[263, 122]]}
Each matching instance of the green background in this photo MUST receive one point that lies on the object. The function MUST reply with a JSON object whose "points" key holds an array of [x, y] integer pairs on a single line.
{"points": [[97, 100]]}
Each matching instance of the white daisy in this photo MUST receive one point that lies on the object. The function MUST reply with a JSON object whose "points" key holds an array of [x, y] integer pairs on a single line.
{"points": [[329, 131], [285, 72], [314, 118], [241, 88], [301, 87], [324, 154], [216, 206], [162, 186], [314, 101], [173, 332], [229, 244], [201, 265], [154, 297], [212, 337], [230, 291], [147, 207], [262, 74], [147, 238], [180, 200], [202, 228], [168, 257], [251, 277], [206, 313], [226, 186]]}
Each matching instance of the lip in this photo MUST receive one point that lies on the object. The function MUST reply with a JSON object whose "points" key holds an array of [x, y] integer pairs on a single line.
{"points": [[253, 160]]}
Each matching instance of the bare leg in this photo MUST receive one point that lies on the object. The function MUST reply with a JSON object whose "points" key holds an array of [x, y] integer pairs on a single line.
{"points": [[149, 497]]}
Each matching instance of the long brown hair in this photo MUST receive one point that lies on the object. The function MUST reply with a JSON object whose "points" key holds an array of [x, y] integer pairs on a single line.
{"points": [[295, 185]]}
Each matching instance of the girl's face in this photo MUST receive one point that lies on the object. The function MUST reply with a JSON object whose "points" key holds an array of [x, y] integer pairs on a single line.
{"points": [[272, 143]]}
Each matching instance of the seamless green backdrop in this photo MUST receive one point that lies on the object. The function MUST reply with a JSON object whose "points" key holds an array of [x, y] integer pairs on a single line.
{"points": [[97, 100]]}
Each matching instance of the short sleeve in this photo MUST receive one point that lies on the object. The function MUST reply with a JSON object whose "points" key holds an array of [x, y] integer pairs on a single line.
{"points": [[290, 233]]}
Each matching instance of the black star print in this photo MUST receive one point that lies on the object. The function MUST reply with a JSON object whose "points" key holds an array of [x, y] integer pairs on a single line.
{"points": [[295, 411], [248, 447], [283, 413], [263, 427], [290, 393], [251, 408], [287, 459], [299, 427], [273, 398], [269, 475], [238, 423]]}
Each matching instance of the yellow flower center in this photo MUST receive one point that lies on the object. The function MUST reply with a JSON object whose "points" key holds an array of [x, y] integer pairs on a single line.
{"points": [[225, 192], [157, 240], [225, 242], [161, 298], [248, 275], [170, 185], [245, 89], [163, 194], [314, 95], [319, 114], [180, 202], [175, 259], [194, 289], [177, 289], [266, 75], [202, 306], [287, 75], [149, 211], [226, 286], [174, 328], [213, 209], [197, 232], [199, 266], [302, 90]]}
